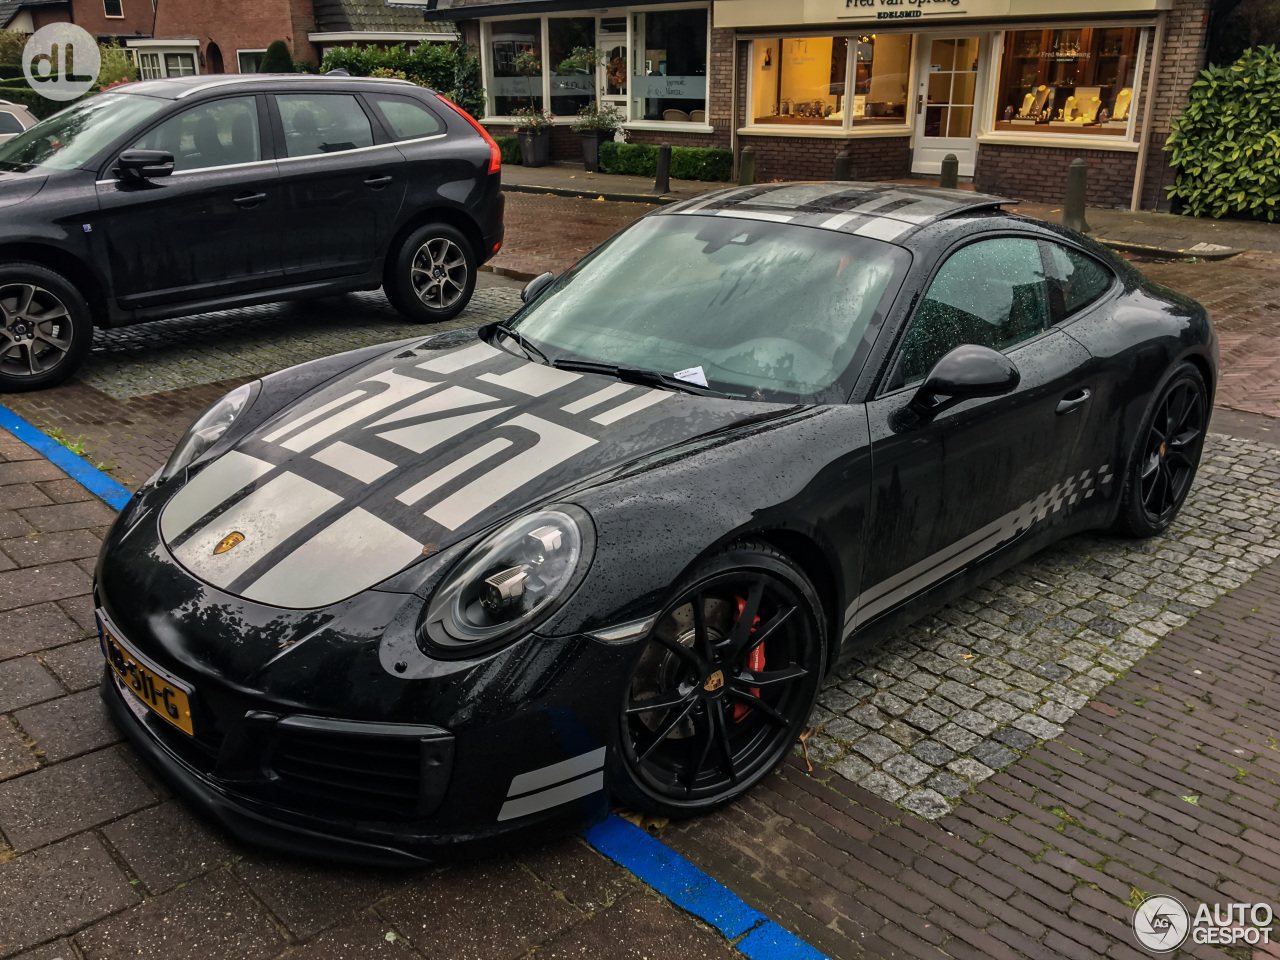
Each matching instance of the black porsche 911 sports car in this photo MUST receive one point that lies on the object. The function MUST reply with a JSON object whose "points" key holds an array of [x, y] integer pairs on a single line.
{"points": [[415, 598]]}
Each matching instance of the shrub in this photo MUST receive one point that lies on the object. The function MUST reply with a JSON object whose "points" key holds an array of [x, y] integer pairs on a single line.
{"points": [[11, 71], [116, 65], [11, 46], [430, 65], [510, 147], [607, 119], [468, 90], [40, 106], [1226, 143], [277, 59], [687, 163], [304, 66]]}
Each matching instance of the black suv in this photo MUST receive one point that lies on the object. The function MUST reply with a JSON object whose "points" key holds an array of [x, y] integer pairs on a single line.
{"points": [[176, 196]]}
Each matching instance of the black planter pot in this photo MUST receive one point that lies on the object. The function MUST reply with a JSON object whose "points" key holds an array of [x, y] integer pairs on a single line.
{"points": [[591, 140], [535, 147]]}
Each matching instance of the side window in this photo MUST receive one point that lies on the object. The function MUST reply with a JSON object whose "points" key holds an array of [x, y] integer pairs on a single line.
{"points": [[210, 135], [1078, 279], [992, 293], [407, 120], [323, 123]]}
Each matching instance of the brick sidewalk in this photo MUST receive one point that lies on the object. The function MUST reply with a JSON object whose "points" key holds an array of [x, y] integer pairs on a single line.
{"points": [[1169, 782]]}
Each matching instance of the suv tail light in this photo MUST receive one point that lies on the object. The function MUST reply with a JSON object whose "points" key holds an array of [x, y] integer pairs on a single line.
{"points": [[495, 152]]}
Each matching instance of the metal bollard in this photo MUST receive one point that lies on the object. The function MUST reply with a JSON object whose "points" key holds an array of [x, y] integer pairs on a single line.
{"points": [[843, 168], [662, 182], [950, 177], [747, 166], [1077, 189]]}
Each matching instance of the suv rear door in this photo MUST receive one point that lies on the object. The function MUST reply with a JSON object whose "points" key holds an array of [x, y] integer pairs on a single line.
{"points": [[343, 181], [209, 229]]}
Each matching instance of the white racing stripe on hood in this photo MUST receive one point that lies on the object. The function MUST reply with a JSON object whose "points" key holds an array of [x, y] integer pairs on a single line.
{"points": [[315, 414], [452, 471], [451, 398], [266, 518], [457, 360], [354, 552], [230, 472], [354, 462], [555, 445], [398, 388], [597, 398], [423, 436], [630, 407], [532, 379]]}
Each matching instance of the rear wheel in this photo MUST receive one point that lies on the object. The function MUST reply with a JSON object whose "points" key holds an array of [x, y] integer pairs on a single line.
{"points": [[1167, 453], [45, 328], [432, 274], [724, 685]]}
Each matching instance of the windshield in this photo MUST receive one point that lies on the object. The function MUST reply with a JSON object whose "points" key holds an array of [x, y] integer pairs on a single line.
{"points": [[749, 308], [73, 136]]}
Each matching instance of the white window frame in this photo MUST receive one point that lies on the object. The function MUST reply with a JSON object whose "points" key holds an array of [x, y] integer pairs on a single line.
{"points": [[244, 50], [195, 62], [486, 26], [113, 16], [1123, 144], [147, 47], [149, 60], [846, 130]]}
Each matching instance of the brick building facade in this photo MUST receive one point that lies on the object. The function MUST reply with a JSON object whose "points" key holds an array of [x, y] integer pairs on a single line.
{"points": [[105, 19], [1015, 89]]}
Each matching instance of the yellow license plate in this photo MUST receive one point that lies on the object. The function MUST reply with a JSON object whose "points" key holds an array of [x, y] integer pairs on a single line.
{"points": [[167, 697]]}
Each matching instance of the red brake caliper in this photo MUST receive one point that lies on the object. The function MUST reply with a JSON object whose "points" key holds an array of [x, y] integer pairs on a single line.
{"points": [[755, 663]]}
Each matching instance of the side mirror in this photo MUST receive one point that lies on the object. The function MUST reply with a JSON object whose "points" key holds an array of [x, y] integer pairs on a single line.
{"points": [[966, 372], [144, 164], [536, 286]]}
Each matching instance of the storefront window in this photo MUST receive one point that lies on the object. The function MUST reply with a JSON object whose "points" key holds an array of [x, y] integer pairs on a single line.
{"points": [[801, 81], [669, 66], [574, 86], [1077, 81], [514, 69]]}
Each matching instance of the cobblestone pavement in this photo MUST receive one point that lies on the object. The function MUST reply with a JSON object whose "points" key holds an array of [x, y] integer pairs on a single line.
{"points": [[98, 860], [546, 232], [921, 719]]}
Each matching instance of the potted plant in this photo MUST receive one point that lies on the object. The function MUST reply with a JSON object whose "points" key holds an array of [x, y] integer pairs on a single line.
{"points": [[533, 130], [596, 123]]}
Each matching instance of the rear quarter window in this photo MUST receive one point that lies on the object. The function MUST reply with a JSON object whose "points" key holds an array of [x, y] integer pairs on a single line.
{"points": [[1080, 280], [407, 119]]}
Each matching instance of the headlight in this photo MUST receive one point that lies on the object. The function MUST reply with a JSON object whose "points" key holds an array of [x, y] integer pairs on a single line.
{"points": [[208, 430], [514, 577]]}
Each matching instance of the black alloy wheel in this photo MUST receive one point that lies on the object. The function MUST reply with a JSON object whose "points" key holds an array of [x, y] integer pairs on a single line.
{"points": [[431, 274], [724, 685], [1167, 454], [45, 328]]}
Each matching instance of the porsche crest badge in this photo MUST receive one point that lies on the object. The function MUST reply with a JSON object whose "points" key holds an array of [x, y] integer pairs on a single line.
{"points": [[714, 682], [227, 542]]}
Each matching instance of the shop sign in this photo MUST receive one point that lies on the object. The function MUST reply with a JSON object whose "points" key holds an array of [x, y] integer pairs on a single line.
{"points": [[769, 13], [572, 85]]}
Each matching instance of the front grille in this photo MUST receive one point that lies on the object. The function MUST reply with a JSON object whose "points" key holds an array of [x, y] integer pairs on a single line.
{"points": [[358, 770]]}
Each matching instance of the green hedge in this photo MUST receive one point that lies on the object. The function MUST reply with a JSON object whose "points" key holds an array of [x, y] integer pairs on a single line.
{"points": [[12, 71], [1226, 144], [38, 105], [510, 147], [687, 163]]}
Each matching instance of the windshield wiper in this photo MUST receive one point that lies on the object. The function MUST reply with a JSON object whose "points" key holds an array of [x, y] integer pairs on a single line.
{"points": [[532, 352], [637, 375]]}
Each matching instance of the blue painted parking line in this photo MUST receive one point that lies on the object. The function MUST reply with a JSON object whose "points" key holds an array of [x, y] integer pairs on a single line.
{"points": [[686, 886], [648, 858], [92, 479]]}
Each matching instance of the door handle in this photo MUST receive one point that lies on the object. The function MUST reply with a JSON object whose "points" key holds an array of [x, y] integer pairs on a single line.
{"points": [[377, 182], [919, 104], [1073, 400], [249, 199]]}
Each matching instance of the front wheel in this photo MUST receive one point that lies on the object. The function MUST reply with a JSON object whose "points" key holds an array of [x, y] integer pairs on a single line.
{"points": [[723, 686], [1166, 455], [432, 274], [45, 328]]}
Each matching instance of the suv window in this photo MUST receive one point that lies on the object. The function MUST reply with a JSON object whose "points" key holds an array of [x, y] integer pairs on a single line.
{"points": [[323, 123], [407, 120], [992, 293], [9, 122], [1078, 279], [210, 135]]}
